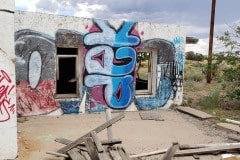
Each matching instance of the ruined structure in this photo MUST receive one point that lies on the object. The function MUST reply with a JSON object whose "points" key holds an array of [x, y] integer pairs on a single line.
{"points": [[51, 64], [77, 65]]}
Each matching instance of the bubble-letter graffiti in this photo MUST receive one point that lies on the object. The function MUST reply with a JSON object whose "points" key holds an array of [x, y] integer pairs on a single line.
{"points": [[110, 62]]}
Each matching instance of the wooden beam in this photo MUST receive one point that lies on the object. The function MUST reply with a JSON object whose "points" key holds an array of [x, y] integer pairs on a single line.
{"points": [[57, 154], [109, 129], [171, 151], [97, 142], [194, 112], [122, 153], [115, 154], [75, 155], [195, 146], [104, 142], [235, 138], [91, 148], [228, 127], [210, 149], [97, 130], [149, 153], [207, 150]]}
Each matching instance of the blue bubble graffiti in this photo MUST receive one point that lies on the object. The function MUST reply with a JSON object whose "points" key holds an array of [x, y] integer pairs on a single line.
{"points": [[110, 62], [170, 68]]}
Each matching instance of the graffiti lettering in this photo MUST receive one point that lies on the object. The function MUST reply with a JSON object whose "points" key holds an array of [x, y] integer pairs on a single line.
{"points": [[110, 62], [6, 106], [166, 70], [100, 60], [114, 90], [112, 38]]}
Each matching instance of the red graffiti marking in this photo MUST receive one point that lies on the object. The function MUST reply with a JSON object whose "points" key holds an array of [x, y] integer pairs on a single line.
{"points": [[36, 101], [6, 107]]}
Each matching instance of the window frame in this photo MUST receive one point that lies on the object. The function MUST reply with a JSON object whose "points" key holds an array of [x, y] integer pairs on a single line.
{"points": [[152, 78], [78, 73]]}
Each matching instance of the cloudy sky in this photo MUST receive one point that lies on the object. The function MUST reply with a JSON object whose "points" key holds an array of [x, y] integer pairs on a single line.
{"points": [[194, 14]]}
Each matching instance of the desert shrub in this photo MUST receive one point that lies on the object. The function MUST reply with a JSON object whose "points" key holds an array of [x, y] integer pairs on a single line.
{"points": [[190, 87], [194, 57], [193, 76], [231, 75], [210, 101], [231, 83]]}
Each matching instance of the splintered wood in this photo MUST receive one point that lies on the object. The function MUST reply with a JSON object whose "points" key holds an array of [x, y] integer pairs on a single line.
{"points": [[90, 147]]}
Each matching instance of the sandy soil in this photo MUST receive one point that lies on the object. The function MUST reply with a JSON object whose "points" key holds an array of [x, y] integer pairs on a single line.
{"points": [[36, 135]]}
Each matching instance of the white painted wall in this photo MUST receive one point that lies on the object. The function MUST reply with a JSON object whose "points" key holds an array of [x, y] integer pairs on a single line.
{"points": [[8, 121]]}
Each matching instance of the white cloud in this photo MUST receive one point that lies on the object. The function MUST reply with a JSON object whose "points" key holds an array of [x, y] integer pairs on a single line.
{"points": [[29, 5], [196, 19], [202, 46], [87, 10], [197, 29]]}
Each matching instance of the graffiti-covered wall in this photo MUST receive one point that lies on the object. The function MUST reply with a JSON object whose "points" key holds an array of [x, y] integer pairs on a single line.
{"points": [[77, 65], [8, 120]]}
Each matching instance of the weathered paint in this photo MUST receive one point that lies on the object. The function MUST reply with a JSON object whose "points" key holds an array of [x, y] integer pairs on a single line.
{"points": [[70, 106], [8, 121], [35, 65], [108, 72], [169, 72]]}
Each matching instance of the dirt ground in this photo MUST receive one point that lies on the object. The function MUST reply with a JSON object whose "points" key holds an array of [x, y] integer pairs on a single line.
{"points": [[36, 134]]}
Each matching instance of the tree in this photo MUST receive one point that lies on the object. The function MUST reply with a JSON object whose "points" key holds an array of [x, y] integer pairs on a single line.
{"points": [[231, 75], [231, 40]]}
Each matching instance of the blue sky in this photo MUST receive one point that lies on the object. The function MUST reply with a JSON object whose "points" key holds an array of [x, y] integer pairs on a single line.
{"points": [[194, 14]]}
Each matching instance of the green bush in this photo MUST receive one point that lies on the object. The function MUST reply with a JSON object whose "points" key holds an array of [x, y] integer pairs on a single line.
{"points": [[231, 82], [210, 101], [194, 57]]}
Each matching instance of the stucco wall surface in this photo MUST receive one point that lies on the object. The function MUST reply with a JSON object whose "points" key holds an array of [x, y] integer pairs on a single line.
{"points": [[107, 73], [8, 110]]}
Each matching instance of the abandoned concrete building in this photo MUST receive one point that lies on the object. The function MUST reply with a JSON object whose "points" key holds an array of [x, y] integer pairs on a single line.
{"points": [[54, 65]]}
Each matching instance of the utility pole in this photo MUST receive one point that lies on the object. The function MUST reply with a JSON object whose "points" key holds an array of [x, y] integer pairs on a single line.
{"points": [[209, 67]]}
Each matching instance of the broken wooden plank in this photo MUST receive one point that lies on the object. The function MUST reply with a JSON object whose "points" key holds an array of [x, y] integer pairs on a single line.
{"points": [[228, 127], [207, 150], [97, 130], [234, 138], [109, 129], [103, 156], [115, 154], [85, 155], [97, 142], [74, 154], [171, 151], [66, 142], [57, 154], [149, 153], [91, 148], [230, 157], [151, 115], [122, 153], [194, 112], [195, 146], [104, 142]]}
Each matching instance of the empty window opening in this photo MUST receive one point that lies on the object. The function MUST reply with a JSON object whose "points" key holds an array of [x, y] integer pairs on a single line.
{"points": [[143, 68], [146, 71], [67, 63]]}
